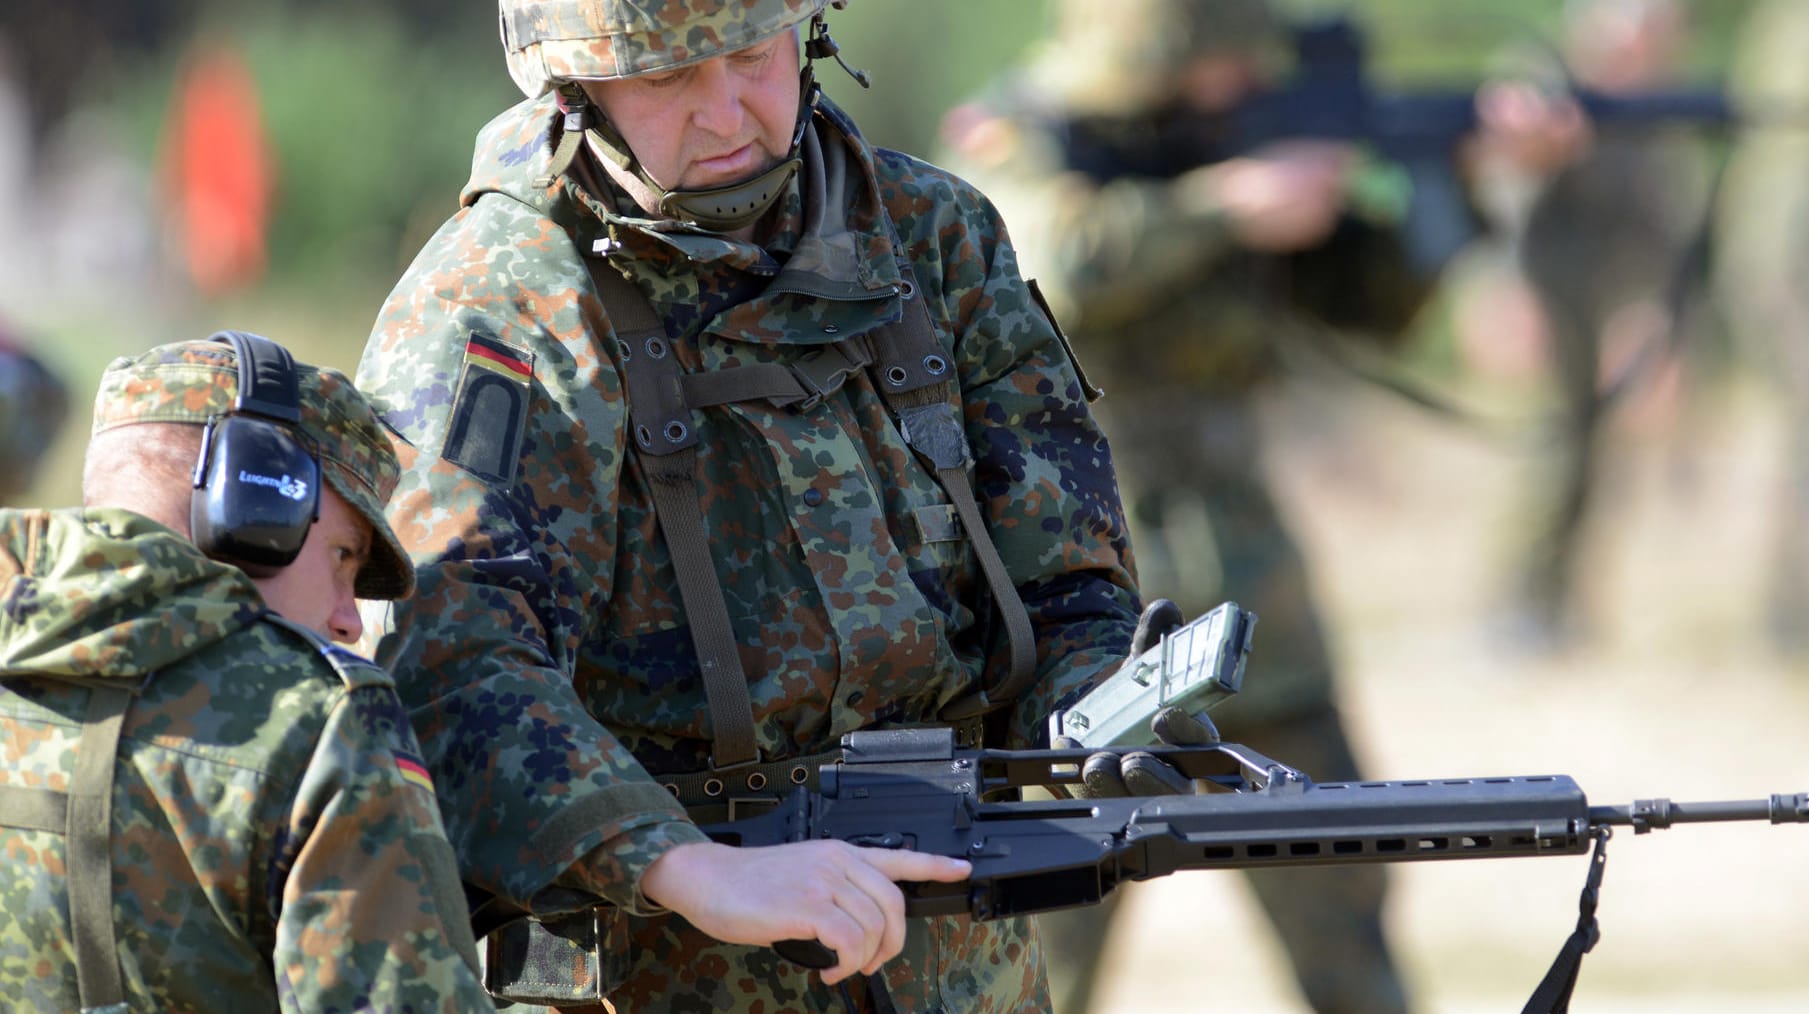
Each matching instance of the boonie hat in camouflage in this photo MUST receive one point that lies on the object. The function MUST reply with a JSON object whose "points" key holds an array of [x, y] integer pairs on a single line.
{"points": [[194, 381]]}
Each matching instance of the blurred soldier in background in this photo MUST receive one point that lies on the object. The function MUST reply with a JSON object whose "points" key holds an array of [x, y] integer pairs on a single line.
{"points": [[33, 406], [1176, 290], [1602, 247], [1184, 279], [1762, 260]]}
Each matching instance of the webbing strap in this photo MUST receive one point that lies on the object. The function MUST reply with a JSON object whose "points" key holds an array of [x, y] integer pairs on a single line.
{"points": [[1553, 993], [667, 447], [90, 832], [694, 788], [913, 381], [574, 107], [34, 809], [803, 384]]}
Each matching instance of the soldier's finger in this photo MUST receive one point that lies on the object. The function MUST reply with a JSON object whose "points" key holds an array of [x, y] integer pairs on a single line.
{"points": [[863, 901], [1101, 775], [1144, 775], [901, 864], [838, 931], [1178, 728]]}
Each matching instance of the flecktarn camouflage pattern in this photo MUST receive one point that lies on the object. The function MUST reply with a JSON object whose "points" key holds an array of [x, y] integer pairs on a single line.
{"points": [[552, 665], [275, 843], [192, 382], [549, 41]]}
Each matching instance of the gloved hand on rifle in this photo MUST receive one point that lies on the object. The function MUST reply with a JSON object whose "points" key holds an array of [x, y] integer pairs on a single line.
{"points": [[1107, 775]]}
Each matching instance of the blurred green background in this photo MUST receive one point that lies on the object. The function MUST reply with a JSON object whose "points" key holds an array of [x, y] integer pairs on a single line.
{"points": [[370, 108]]}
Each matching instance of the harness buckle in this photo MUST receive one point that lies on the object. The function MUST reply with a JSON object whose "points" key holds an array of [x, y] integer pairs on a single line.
{"points": [[822, 371]]}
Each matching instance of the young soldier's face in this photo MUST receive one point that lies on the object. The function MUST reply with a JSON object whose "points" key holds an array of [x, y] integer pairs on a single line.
{"points": [[316, 590], [720, 121]]}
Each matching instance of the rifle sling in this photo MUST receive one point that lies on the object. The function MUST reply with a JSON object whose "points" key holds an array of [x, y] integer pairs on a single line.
{"points": [[1552, 996]]}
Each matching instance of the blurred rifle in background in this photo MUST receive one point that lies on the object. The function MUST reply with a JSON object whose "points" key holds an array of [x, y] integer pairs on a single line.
{"points": [[1330, 96]]}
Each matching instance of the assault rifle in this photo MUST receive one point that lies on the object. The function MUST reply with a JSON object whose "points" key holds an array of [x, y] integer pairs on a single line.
{"points": [[1330, 96], [913, 789]]}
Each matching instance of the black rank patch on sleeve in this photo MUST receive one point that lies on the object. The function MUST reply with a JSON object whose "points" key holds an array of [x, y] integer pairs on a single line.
{"points": [[490, 411]]}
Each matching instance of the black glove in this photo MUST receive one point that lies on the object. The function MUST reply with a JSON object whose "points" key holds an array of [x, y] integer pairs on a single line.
{"points": [[1160, 618], [1107, 775]]}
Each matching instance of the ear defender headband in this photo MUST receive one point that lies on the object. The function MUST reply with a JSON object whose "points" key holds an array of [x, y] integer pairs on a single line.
{"points": [[257, 484]]}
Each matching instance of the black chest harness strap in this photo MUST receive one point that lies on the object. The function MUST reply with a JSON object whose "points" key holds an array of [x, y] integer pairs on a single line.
{"points": [[912, 375]]}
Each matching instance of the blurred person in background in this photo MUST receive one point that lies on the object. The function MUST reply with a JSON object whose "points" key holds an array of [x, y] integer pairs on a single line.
{"points": [[205, 803], [1183, 271], [34, 404], [1761, 264], [1604, 251]]}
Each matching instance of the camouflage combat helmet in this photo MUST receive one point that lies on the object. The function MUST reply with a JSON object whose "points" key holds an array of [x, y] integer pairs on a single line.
{"points": [[552, 44], [194, 381], [1124, 56]]}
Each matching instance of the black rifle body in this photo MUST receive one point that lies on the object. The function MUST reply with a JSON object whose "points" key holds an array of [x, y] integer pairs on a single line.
{"points": [[913, 789]]}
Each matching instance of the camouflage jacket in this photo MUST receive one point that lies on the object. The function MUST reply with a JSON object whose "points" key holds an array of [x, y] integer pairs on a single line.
{"points": [[274, 842], [554, 666]]}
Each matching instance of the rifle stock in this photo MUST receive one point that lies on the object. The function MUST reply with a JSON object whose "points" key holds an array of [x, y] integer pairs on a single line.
{"points": [[913, 789]]}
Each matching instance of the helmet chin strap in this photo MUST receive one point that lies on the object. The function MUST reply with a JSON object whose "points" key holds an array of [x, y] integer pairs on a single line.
{"points": [[738, 205], [725, 208]]}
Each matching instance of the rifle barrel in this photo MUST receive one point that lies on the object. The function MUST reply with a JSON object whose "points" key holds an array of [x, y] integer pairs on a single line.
{"points": [[1649, 814]]}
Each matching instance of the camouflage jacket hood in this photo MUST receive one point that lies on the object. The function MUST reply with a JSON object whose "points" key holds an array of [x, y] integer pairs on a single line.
{"points": [[74, 584]]}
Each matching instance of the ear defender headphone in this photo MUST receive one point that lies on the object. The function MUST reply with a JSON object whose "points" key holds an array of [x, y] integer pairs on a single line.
{"points": [[257, 484]]}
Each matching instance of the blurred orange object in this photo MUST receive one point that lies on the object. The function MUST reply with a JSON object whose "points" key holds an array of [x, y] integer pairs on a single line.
{"points": [[219, 172]]}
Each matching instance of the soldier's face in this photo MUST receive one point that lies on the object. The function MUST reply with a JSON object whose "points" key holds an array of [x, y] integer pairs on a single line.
{"points": [[316, 590], [712, 123]]}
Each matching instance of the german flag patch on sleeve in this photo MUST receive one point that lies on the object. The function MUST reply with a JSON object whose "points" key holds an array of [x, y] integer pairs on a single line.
{"points": [[490, 410], [412, 770]]}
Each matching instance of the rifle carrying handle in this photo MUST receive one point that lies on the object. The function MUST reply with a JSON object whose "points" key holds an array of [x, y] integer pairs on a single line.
{"points": [[809, 953]]}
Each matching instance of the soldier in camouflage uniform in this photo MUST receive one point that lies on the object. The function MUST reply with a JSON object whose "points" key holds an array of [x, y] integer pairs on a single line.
{"points": [[204, 805], [724, 434], [1179, 285], [33, 406]]}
